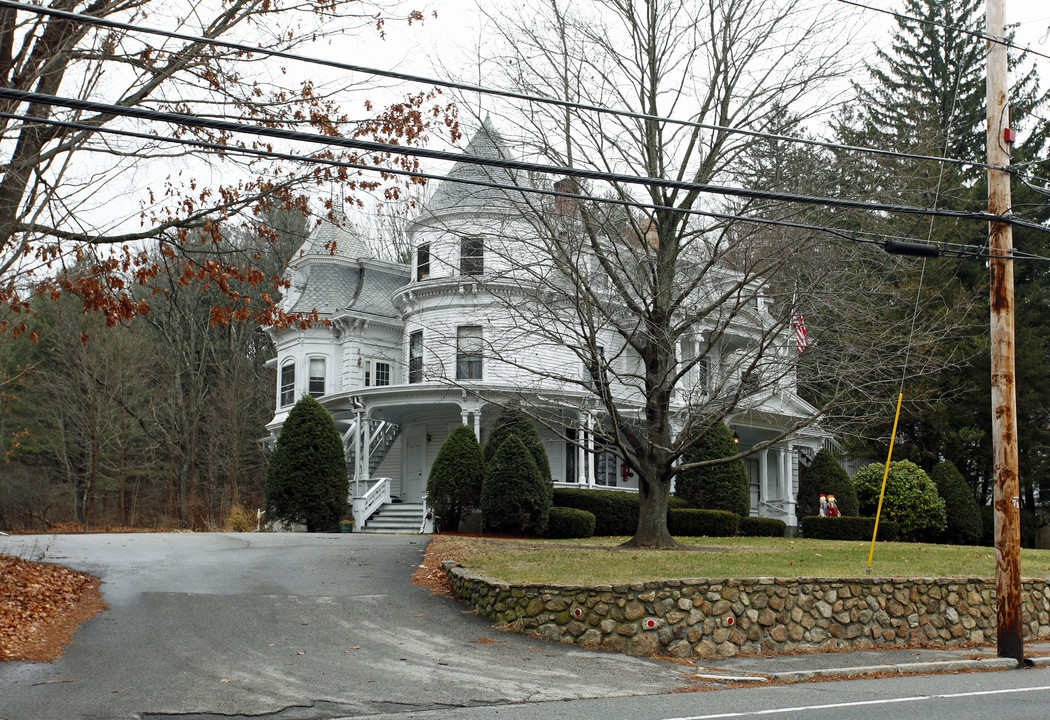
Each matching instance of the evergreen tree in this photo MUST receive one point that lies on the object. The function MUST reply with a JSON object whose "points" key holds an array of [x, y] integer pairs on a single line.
{"points": [[515, 498], [514, 421], [925, 94], [456, 477], [306, 480], [825, 476], [962, 512], [715, 487]]}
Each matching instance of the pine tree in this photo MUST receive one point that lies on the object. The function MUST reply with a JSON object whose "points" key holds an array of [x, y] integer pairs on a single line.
{"points": [[514, 421], [306, 480]]}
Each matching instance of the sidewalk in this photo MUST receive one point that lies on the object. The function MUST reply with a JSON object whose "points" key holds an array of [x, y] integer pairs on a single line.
{"points": [[862, 663]]}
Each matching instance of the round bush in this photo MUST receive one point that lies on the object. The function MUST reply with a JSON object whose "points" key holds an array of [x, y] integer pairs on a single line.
{"points": [[306, 480], [715, 487], [563, 522], [456, 477], [515, 499], [911, 498], [962, 511], [825, 476], [692, 522], [762, 527]]}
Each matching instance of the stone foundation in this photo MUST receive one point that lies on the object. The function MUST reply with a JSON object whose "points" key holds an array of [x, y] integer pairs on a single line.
{"points": [[705, 617]]}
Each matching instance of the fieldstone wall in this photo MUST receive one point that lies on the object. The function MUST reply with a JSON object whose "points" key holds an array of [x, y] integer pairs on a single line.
{"points": [[705, 618]]}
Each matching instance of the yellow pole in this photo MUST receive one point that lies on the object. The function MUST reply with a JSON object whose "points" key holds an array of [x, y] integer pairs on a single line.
{"points": [[886, 474]]}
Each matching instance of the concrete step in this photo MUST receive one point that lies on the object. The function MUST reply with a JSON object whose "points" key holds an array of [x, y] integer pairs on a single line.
{"points": [[395, 518]]}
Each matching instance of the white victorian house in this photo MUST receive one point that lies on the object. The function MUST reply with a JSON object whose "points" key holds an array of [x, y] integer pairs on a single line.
{"points": [[411, 351]]}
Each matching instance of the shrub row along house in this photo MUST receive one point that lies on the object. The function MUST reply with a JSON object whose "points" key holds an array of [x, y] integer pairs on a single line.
{"points": [[474, 324]]}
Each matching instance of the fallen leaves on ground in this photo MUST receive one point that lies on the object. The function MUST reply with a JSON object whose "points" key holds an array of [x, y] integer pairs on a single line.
{"points": [[431, 573], [41, 606]]}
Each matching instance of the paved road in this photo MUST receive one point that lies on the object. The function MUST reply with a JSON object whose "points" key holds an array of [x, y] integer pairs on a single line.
{"points": [[289, 627], [1014, 694]]}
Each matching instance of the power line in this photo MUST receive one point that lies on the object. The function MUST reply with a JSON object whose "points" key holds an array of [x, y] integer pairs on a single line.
{"points": [[945, 26], [889, 242], [467, 87], [506, 164]]}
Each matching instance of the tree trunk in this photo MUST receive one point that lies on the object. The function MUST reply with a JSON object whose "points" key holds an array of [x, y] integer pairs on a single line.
{"points": [[652, 529]]}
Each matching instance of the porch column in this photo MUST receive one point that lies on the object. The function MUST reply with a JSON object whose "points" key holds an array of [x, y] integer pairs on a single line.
{"points": [[781, 472], [464, 416], [590, 451], [789, 504], [763, 479], [357, 453], [477, 423], [367, 437]]}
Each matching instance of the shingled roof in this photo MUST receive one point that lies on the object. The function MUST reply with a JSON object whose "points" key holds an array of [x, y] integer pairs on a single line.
{"points": [[338, 235], [486, 143]]}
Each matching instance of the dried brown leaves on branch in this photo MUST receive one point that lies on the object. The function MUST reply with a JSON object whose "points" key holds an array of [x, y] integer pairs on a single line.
{"points": [[100, 216]]}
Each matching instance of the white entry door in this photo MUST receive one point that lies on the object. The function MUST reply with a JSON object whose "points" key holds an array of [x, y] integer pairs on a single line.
{"points": [[415, 481]]}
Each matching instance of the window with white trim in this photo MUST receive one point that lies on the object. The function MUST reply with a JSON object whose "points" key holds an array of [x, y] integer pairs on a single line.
{"points": [[415, 357], [469, 344], [423, 262], [377, 373], [317, 377], [288, 383], [471, 256]]}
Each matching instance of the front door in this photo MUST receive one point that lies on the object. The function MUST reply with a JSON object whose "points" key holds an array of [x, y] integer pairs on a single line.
{"points": [[414, 482]]}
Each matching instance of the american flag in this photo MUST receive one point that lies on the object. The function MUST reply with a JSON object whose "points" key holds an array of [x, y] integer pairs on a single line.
{"points": [[797, 322]]}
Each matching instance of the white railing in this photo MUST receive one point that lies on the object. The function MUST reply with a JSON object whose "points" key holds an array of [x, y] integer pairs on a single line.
{"points": [[426, 526], [374, 498]]}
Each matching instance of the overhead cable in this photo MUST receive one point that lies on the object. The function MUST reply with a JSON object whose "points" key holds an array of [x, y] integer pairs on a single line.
{"points": [[888, 242], [507, 164], [467, 87], [945, 26]]}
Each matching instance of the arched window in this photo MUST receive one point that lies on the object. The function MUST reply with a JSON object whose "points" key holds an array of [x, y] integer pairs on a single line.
{"points": [[288, 383]]}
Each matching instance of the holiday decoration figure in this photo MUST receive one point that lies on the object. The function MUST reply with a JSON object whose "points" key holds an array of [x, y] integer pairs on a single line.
{"points": [[833, 508], [823, 505]]}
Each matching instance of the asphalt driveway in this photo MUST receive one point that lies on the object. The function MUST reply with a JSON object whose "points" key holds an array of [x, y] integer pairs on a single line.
{"points": [[288, 627]]}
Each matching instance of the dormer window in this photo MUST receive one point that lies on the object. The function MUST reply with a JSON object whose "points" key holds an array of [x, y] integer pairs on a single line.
{"points": [[471, 256], [423, 262]]}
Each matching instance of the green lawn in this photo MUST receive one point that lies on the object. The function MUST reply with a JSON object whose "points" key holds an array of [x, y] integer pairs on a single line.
{"points": [[600, 561]]}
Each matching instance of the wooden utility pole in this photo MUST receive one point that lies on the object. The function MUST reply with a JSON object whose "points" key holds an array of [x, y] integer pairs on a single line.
{"points": [[1004, 390]]}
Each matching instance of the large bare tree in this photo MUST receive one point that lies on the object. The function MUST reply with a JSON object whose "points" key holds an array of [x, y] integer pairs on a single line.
{"points": [[681, 315]]}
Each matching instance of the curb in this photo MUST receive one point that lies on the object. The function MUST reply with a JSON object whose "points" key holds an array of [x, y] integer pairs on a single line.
{"points": [[903, 669]]}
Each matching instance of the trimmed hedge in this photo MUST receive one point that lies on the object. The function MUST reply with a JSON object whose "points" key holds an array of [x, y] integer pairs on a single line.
{"points": [[690, 522], [848, 528], [615, 513], [715, 487], [962, 511], [911, 498], [456, 478], [564, 522], [824, 476], [762, 527], [306, 480], [515, 498]]}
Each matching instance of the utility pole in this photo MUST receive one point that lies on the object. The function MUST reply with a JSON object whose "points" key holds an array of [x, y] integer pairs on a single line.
{"points": [[1004, 387]]}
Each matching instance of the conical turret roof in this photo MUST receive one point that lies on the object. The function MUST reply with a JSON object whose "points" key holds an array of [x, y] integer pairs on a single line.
{"points": [[486, 143]]}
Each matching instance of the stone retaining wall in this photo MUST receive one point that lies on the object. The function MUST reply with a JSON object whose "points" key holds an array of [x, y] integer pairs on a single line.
{"points": [[704, 617]]}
